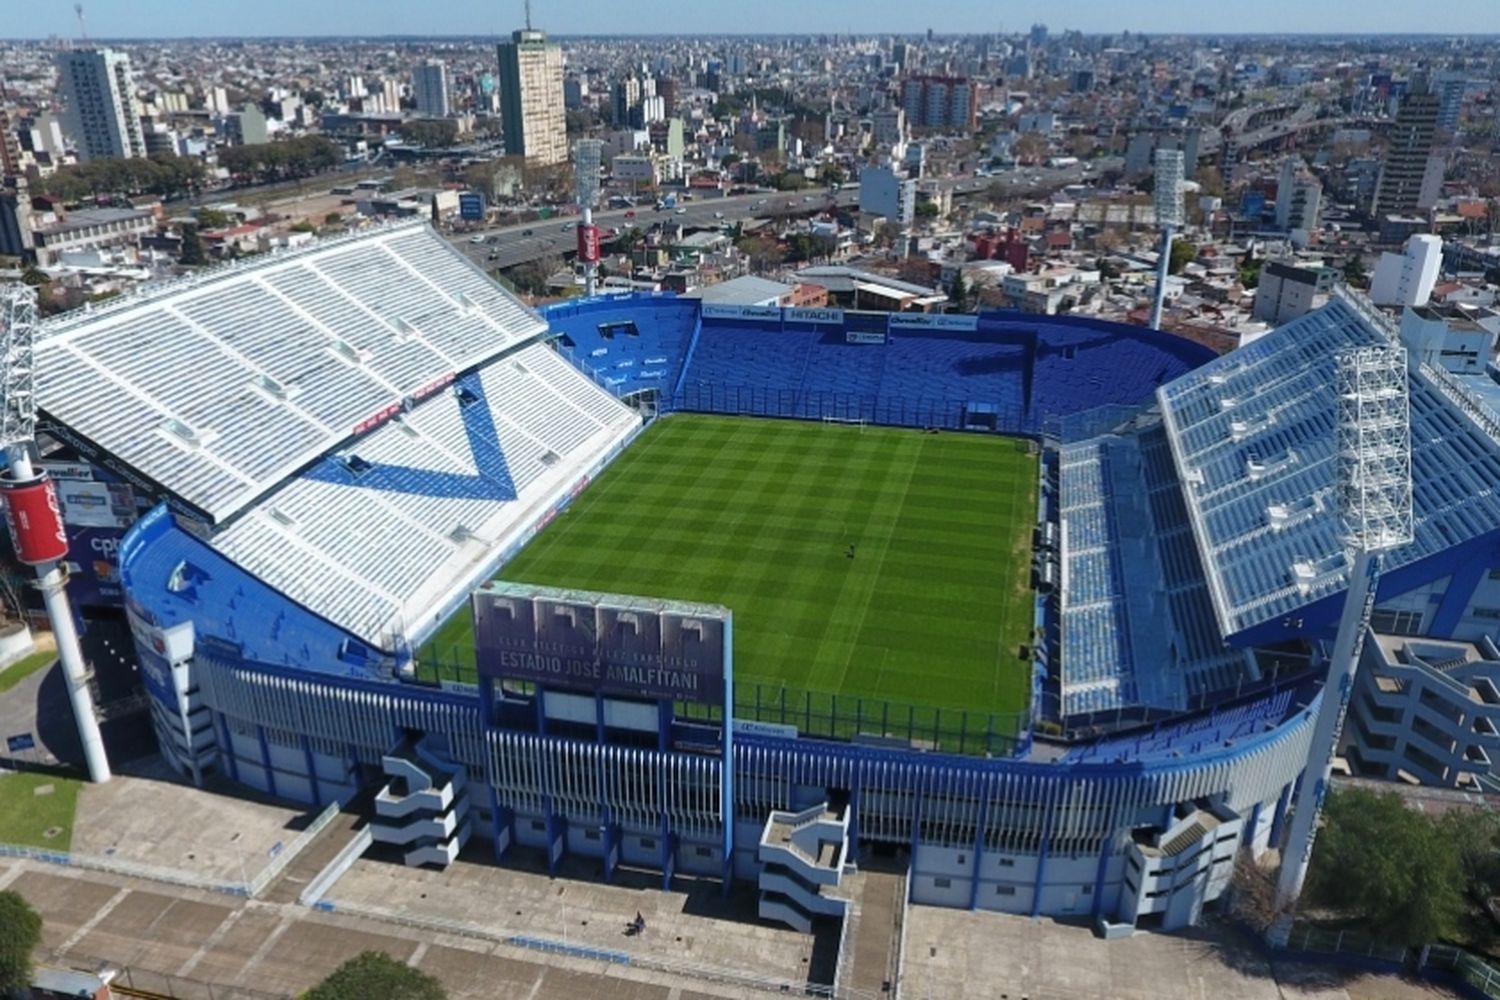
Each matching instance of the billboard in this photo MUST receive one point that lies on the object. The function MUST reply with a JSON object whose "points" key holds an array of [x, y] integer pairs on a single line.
{"points": [[610, 644], [471, 205], [588, 244]]}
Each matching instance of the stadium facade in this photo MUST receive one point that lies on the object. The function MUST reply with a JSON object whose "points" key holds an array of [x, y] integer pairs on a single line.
{"points": [[308, 462]]}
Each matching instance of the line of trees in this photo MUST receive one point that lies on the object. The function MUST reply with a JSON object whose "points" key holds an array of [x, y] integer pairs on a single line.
{"points": [[164, 175], [1408, 877], [277, 161]]}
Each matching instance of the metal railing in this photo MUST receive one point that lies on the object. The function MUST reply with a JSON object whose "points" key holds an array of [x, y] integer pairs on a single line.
{"points": [[1461, 965], [1305, 937], [128, 869], [1444, 959], [268, 874]]}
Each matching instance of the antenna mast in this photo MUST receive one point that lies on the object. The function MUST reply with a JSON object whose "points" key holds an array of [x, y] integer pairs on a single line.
{"points": [[528, 15], [83, 27]]}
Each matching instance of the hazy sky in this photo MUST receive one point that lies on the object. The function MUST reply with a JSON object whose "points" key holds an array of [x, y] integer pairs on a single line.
{"points": [[160, 18]]}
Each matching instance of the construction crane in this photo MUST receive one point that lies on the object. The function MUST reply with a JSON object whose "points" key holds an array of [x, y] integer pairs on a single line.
{"points": [[83, 26], [32, 512]]}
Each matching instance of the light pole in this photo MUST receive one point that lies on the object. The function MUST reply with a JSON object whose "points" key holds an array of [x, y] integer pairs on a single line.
{"points": [[240, 856], [1375, 510]]}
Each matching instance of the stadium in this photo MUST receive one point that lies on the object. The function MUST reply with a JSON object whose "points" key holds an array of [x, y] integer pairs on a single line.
{"points": [[1031, 605]]}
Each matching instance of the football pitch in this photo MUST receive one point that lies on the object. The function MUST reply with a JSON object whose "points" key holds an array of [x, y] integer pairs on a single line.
{"points": [[866, 562]]}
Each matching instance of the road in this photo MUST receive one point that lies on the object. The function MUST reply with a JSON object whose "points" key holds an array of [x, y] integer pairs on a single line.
{"points": [[509, 246]]}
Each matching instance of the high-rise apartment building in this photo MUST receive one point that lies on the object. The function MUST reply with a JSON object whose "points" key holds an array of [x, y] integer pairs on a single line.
{"points": [[1449, 88], [531, 98], [429, 89], [101, 104], [1399, 189], [949, 103], [626, 97], [887, 126], [1299, 196]]}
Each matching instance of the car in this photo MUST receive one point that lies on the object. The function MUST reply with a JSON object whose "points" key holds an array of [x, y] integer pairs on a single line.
{"points": [[566, 226], [476, 239], [630, 214], [807, 197], [494, 254], [718, 215], [526, 232], [682, 211]]}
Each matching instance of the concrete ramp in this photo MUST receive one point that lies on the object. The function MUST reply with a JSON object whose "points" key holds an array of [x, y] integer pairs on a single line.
{"points": [[338, 843]]}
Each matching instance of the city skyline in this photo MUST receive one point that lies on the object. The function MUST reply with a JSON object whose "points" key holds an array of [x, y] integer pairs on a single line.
{"points": [[125, 19]]}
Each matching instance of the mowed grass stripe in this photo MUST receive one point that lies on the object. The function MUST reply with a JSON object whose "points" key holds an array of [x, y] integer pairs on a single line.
{"points": [[758, 515]]}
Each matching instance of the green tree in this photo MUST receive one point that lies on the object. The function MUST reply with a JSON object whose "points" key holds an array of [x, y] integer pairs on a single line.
{"points": [[959, 294], [1476, 836], [1397, 870], [376, 974], [20, 933], [789, 181], [1183, 254], [1354, 270], [333, 219], [213, 218], [192, 246], [1250, 274], [34, 276], [430, 132]]}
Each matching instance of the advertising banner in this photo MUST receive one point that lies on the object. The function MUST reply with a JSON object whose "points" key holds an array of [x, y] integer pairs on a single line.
{"points": [[795, 315], [933, 321], [711, 311], [588, 244]]}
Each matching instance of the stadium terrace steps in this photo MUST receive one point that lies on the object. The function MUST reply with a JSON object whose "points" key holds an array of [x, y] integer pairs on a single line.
{"points": [[222, 385], [647, 345], [1253, 433], [362, 546]]}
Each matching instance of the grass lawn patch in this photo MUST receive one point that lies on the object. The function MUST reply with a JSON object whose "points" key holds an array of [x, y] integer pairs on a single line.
{"points": [[25, 667], [28, 811]]}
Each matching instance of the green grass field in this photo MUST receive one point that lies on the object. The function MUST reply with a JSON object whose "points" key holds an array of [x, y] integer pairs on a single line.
{"points": [[758, 515]]}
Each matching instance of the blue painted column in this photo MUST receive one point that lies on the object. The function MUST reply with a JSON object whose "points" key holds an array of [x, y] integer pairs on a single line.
{"points": [[265, 759], [1041, 860], [226, 748], [312, 770], [916, 830], [979, 827], [1460, 592], [1106, 852], [726, 771]]}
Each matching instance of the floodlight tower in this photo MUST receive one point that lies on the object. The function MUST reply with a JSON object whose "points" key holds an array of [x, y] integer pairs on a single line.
{"points": [[32, 513], [586, 184], [1374, 490], [1167, 200]]}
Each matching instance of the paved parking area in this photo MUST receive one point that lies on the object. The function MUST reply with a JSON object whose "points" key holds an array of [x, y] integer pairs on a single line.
{"points": [[953, 954]]}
